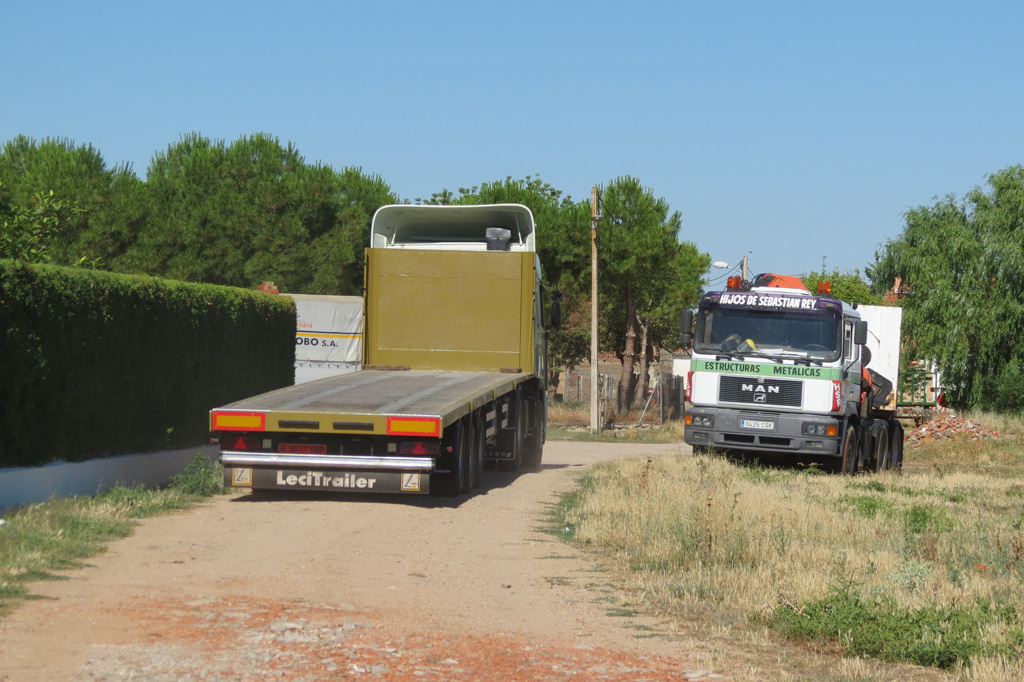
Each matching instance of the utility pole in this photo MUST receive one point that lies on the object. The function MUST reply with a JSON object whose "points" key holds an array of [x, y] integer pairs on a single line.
{"points": [[746, 275], [595, 217]]}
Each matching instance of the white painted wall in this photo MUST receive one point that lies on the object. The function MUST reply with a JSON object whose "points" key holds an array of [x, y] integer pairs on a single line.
{"points": [[26, 485]]}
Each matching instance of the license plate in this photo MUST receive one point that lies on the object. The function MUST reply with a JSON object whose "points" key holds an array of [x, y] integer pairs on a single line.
{"points": [[757, 424], [302, 448]]}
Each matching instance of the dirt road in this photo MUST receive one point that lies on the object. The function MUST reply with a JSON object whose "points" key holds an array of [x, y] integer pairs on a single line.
{"points": [[314, 588], [325, 588]]}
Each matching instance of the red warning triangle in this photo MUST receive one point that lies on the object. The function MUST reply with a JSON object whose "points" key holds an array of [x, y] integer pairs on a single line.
{"points": [[240, 444], [418, 449]]}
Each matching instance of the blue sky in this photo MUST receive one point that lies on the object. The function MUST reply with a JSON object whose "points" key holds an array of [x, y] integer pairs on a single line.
{"points": [[794, 133]]}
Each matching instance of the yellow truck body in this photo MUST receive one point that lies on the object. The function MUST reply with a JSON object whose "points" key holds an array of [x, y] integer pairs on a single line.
{"points": [[450, 310]]}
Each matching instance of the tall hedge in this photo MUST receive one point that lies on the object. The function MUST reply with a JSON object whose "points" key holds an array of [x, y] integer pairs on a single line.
{"points": [[95, 364]]}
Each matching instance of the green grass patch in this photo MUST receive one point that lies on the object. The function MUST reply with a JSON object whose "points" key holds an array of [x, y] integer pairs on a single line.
{"points": [[933, 635], [921, 518], [868, 506]]}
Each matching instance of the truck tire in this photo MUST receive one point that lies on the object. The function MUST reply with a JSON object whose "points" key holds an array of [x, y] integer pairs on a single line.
{"points": [[454, 483], [518, 437], [533, 443], [895, 445], [469, 467], [882, 453], [476, 449], [850, 451]]}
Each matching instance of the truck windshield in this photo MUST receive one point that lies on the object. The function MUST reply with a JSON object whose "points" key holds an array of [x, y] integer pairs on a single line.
{"points": [[814, 335]]}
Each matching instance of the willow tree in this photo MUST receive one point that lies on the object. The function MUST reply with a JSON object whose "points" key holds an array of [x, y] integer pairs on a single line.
{"points": [[846, 286], [962, 265]]}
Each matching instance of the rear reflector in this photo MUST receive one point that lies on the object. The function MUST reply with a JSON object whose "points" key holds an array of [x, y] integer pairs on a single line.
{"points": [[419, 447], [231, 441], [414, 426], [239, 421]]}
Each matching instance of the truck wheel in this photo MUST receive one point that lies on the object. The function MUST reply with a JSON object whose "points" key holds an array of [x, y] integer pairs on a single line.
{"points": [[895, 445], [851, 451], [533, 444], [882, 454], [466, 453], [518, 439], [464, 478], [453, 484], [476, 450]]}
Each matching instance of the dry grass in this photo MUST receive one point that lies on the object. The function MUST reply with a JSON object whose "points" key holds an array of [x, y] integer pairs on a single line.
{"points": [[1003, 423], [571, 421], [568, 413], [725, 543]]}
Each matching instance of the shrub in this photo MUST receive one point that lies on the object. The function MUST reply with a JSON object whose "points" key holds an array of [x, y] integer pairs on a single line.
{"points": [[201, 477]]}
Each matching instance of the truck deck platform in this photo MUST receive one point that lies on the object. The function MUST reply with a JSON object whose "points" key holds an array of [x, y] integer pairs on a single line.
{"points": [[363, 402]]}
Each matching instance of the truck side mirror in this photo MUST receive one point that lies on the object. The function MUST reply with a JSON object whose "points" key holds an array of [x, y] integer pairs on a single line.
{"points": [[860, 332], [556, 309], [685, 325]]}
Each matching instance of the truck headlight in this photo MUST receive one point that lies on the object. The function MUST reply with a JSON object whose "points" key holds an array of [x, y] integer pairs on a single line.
{"points": [[818, 430], [704, 421]]}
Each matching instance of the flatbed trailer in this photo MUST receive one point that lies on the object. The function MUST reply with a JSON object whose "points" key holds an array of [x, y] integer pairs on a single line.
{"points": [[361, 430], [454, 368]]}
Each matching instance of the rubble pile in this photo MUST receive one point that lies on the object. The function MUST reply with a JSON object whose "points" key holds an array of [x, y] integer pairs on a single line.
{"points": [[948, 426]]}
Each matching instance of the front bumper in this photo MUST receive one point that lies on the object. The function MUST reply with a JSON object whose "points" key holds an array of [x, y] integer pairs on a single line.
{"points": [[755, 431]]}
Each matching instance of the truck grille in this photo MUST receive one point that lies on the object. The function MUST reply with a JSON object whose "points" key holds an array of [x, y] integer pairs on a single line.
{"points": [[751, 391]]}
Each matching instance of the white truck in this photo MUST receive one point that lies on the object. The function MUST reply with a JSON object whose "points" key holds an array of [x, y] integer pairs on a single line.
{"points": [[776, 369]]}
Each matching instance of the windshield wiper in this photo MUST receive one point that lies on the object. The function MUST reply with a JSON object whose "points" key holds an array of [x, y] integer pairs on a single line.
{"points": [[805, 360], [766, 356], [741, 355], [799, 357]]}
